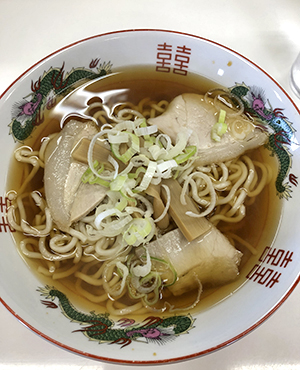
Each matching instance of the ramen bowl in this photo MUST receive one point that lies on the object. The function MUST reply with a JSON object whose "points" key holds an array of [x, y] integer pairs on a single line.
{"points": [[270, 274]]}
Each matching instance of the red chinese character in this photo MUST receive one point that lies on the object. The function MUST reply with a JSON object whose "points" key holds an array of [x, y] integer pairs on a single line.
{"points": [[259, 274], [164, 57], [273, 279], [272, 256], [4, 204], [263, 276], [287, 259], [182, 60], [275, 257], [4, 226]]}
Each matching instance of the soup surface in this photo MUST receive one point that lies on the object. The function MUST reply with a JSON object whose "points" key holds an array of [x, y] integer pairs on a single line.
{"points": [[256, 229]]}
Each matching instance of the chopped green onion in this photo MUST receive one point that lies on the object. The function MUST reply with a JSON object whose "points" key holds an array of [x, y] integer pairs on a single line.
{"points": [[157, 152], [189, 151], [128, 198], [147, 177], [118, 183], [125, 125], [222, 116], [146, 284], [138, 230], [125, 273], [142, 270], [135, 175], [121, 203], [118, 137], [166, 165], [182, 139], [149, 141], [130, 152], [133, 292], [109, 212], [145, 131], [142, 124], [104, 176], [167, 281], [220, 127], [91, 178], [156, 290]]}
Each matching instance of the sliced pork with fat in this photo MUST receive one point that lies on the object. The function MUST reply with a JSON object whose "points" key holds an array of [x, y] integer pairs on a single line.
{"points": [[210, 259], [192, 112], [68, 198]]}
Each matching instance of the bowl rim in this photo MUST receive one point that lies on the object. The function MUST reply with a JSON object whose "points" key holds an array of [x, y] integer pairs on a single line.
{"points": [[174, 359]]}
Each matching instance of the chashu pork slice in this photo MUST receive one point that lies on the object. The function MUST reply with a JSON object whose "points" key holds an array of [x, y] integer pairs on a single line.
{"points": [[210, 259], [68, 198], [191, 112]]}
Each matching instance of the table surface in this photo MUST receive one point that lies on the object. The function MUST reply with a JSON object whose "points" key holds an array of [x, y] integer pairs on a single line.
{"points": [[267, 32]]}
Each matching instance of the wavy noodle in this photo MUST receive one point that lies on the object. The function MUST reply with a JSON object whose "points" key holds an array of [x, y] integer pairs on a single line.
{"points": [[33, 243], [222, 192], [65, 272], [123, 309], [242, 241], [95, 298]]}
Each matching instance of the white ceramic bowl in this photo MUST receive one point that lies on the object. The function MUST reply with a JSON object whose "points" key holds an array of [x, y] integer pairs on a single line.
{"points": [[272, 276]]}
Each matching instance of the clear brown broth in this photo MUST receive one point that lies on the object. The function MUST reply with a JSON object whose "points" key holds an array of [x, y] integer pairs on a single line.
{"points": [[262, 219]]}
